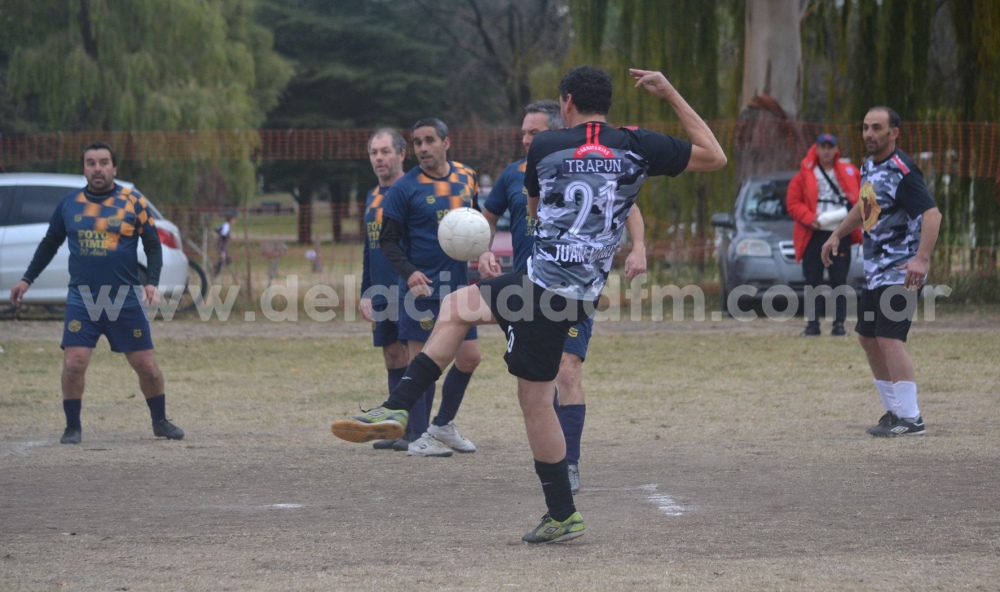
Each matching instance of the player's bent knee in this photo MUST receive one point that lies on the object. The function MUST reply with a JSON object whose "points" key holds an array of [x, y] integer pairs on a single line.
{"points": [[468, 357]]}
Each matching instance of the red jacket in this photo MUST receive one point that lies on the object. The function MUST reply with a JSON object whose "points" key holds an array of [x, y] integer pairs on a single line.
{"points": [[803, 196]]}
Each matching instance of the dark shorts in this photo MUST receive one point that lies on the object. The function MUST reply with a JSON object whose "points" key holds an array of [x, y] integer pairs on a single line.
{"points": [[129, 332], [416, 323], [385, 331], [886, 311], [578, 338], [535, 321]]}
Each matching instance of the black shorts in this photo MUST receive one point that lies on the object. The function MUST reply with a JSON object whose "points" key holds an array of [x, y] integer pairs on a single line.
{"points": [[886, 311], [535, 321]]}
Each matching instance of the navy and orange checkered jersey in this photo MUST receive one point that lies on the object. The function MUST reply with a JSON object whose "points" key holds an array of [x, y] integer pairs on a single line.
{"points": [[418, 201], [378, 279], [508, 194], [103, 231], [587, 178]]}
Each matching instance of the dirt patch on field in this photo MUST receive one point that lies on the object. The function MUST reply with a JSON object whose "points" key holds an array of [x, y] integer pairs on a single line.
{"points": [[717, 456]]}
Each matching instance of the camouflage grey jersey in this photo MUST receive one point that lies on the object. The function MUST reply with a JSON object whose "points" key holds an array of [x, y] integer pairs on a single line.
{"points": [[587, 178], [893, 200]]}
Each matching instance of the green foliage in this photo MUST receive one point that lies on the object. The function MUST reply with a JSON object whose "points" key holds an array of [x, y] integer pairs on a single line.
{"points": [[112, 65], [682, 39], [357, 65], [928, 59]]}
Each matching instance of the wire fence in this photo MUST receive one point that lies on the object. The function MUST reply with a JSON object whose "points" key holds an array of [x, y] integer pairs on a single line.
{"points": [[960, 161]]}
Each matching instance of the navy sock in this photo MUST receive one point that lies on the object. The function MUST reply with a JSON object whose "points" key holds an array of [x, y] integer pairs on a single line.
{"points": [[555, 486], [420, 374], [157, 408], [571, 419], [395, 375], [452, 393], [420, 415], [71, 407]]}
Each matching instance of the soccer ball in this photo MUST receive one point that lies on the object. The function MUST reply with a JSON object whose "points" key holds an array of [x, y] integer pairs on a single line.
{"points": [[464, 234]]}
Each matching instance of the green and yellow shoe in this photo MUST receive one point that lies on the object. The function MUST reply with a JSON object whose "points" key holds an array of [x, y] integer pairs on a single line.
{"points": [[550, 531], [376, 424]]}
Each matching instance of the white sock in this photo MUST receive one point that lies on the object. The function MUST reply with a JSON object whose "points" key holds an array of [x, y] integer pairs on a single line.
{"points": [[906, 399], [888, 394]]}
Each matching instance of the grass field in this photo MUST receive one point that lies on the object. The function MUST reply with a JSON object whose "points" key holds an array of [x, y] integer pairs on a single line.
{"points": [[717, 456]]}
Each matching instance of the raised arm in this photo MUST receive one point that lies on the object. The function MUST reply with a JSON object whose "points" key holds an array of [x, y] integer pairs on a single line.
{"points": [[706, 153]]}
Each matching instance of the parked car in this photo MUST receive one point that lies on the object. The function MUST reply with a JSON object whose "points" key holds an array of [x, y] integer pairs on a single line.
{"points": [[27, 201], [755, 242], [503, 248]]}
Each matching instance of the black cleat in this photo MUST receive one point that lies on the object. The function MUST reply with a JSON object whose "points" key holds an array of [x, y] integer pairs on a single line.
{"points": [[165, 429], [884, 423], [902, 427], [71, 436]]}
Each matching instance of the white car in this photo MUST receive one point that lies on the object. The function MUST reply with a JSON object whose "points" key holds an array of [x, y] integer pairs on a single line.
{"points": [[27, 201]]}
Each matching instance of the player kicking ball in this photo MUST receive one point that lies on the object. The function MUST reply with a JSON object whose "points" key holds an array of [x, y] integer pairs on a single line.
{"points": [[581, 184]]}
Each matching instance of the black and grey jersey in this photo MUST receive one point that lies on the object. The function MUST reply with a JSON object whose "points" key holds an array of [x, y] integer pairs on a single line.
{"points": [[587, 179], [893, 200]]}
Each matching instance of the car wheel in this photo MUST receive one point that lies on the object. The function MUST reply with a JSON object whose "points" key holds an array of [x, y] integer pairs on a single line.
{"points": [[197, 284], [724, 291]]}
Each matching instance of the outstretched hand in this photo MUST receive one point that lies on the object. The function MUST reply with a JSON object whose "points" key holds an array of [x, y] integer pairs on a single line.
{"points": [[654, 82]]}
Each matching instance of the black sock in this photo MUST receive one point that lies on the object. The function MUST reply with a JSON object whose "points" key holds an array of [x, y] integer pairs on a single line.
{"points": [[395, 375], [71, 407], [452, 393], [157, 408], [555, 486], [420, 374]]}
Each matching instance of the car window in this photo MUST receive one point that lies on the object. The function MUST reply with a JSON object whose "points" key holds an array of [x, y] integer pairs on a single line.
{"points": [[7, 193], [766, 202], [38, 202]]}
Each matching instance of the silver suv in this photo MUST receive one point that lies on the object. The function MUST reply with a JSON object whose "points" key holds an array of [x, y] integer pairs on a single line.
{"points": [[27, 201], [755, 247]]}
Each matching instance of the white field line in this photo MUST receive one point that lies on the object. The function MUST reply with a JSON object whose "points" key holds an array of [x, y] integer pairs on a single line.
{"points": [[663, 502], [22, 447]]}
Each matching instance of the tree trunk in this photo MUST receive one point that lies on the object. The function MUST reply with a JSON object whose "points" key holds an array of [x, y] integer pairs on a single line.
{"points": [[771, 99], [304, 198], [772, 55]]}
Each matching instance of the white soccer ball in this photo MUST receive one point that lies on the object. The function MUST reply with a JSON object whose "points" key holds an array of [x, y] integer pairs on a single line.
{"points": [[464, 234]]}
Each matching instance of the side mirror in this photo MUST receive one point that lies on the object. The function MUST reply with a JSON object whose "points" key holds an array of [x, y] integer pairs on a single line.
{"points": [[723, 220]]}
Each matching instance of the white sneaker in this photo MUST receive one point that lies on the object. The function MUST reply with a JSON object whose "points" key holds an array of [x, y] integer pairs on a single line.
{"points": [[574, 478], [448, 434], [427, 445]]}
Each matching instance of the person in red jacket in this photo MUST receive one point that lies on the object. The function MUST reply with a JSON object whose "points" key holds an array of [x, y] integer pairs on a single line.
{"points": [[819, 197]]}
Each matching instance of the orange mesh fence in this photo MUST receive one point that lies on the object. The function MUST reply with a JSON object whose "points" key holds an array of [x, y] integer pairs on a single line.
{"points": [[967, 149]]}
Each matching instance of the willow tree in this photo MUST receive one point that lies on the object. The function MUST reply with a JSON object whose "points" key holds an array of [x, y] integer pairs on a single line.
{"points": [[977, 29], [119, 65], [683, 40]]}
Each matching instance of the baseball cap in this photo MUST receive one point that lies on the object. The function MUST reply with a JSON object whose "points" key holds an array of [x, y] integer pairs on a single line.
{"points": [[827, 139]]}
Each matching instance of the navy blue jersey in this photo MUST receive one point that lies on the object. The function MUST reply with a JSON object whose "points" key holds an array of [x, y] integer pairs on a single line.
{"points": [[418, 201], [587, 179], [103, 233], [378, 280], [508, 195]]}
